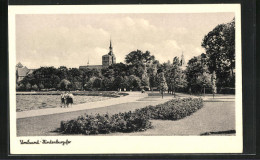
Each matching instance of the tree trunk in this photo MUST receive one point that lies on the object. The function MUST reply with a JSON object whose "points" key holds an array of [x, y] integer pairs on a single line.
{"points": [[162, 94], [174, 92]]}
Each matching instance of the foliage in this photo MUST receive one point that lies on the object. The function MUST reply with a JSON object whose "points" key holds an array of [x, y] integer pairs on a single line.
{"points": [[162, 82], [220, 51], [173, 110], [103, 124], [28, 86], [134, 82], [175, 76], [137, 58], [65, 84], [35, 87], [197, 74]]}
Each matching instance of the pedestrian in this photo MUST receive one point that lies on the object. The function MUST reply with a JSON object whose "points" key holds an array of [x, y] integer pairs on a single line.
{"points": [[70, 99], [62, 100]]}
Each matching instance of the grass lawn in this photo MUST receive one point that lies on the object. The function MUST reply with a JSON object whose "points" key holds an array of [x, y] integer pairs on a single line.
{"points": [[47, 124], [31, 102], [213, 117]]}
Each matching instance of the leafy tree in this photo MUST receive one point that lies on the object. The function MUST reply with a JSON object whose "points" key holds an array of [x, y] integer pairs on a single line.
{"points": [[204, 80], [137, 58], [162, 83], [41, 86], [21, 87], [220, 51], [176, 76], [28, 86], [152, 74], [118, 83], [134, 82], [107, 83], [35, 87], [125, 83], [193, 71], [65, 84], [213, 83]]}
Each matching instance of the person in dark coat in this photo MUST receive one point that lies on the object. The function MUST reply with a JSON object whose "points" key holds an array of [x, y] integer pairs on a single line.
{"points": [[63, 103]]}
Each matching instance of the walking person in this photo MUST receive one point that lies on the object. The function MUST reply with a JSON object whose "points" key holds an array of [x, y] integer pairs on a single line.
{"points": [[69, 99], [62, 100], [66, 96]]}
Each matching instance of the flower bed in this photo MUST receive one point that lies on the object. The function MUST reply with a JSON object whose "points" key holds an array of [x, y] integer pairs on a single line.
{"points": [[131, 121]]}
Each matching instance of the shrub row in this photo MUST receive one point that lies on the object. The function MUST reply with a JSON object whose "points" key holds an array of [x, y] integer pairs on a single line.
{"points": [[172, 110], [97, 124], [131, 121]]}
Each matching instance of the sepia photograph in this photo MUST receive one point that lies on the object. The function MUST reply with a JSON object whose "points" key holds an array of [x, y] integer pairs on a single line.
{"points": [[119, 78]]}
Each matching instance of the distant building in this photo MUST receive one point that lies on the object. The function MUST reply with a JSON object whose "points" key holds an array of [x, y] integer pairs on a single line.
{"points": [[107, 60], [182, 62], [110, 58], [22, 71]]}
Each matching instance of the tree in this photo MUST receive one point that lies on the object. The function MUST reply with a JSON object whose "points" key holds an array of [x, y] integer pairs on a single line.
{"points": [[193, 71], [177, 78], [35, 87], [41, 86], [162, 83], [28, 86], [65, 84], [107, 83], [137, 58], [220, 51], [125, 82], [213, 83], [204, 80], [134, 82], [21, 87], [152, 74], [118, 83]]}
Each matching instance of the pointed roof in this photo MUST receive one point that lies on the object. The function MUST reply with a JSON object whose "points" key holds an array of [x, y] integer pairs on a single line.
{"points": [[110, 46], [22, 72], [19, 65]]}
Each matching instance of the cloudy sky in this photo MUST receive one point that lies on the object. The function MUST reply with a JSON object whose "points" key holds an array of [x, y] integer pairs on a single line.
{"points": [[69, 40]]}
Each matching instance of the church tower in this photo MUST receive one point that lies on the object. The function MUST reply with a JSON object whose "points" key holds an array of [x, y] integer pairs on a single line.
{"points": [[182, 62], [110, 58]]}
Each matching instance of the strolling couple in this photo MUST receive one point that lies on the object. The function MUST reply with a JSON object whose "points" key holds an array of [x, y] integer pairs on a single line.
{"points": [[66, 99]]}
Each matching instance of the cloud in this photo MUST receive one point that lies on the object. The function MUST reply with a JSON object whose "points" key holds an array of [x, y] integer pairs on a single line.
{"points": [[71, 39]]}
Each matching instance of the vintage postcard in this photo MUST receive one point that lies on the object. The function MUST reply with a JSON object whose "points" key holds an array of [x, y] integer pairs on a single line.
{"points": [[117, 79]]}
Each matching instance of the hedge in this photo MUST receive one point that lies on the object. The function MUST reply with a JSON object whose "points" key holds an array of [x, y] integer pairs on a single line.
{"points": [[137, 120], [172, 110], [122, 122]]}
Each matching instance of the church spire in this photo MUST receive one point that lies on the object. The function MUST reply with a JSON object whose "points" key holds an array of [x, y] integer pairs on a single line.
{"points": [[110, 48], [182, 59]]}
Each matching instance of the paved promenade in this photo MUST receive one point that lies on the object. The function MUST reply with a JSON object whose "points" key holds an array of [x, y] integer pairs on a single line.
{"points": [[132, 97], [216, 115]]}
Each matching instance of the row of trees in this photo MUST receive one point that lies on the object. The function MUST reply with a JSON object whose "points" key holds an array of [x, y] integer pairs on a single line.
{"points": [[213, 69]]}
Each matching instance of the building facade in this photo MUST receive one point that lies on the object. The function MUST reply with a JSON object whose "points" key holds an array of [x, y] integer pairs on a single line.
{"points": [[109, 59], [22, 71]]}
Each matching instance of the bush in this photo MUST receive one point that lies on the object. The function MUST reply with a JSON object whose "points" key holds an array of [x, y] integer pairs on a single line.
{"points": [[131, 121], [172, 110], [103, 124], [35, 87]]}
